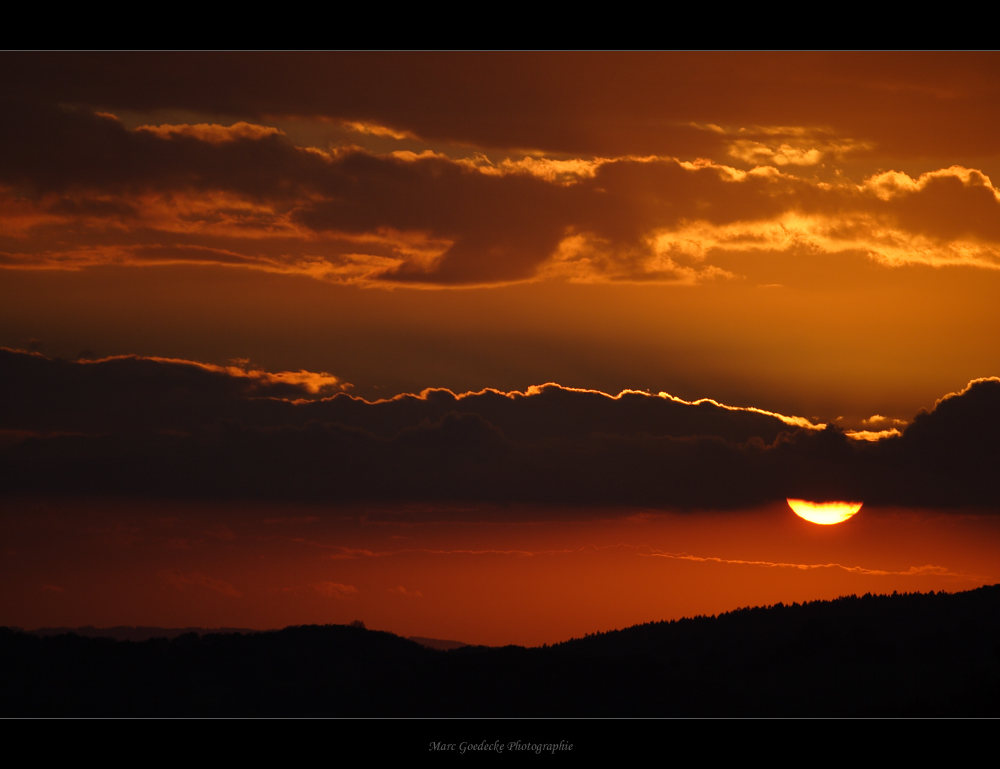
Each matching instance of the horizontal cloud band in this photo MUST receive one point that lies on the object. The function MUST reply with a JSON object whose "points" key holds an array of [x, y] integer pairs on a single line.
{"points": [[171, 428], [79, 188]]}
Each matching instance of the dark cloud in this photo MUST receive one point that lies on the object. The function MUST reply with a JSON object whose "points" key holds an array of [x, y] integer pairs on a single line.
{"points": [[50, 149], [908, 104], [79, 187], [257, 200], [947, 454], [128, 392], [167, 428]]}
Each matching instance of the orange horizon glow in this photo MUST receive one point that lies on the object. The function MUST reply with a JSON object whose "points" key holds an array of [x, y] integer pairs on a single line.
{"points": [[824, 513], [289, 347], [512, 575]]}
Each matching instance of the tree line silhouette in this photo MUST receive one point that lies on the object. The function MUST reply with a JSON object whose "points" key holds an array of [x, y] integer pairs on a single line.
{"points": [[876, 655]]}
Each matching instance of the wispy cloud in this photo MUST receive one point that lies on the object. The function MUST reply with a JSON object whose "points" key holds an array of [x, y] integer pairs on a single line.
{"points": [[914, 571]]}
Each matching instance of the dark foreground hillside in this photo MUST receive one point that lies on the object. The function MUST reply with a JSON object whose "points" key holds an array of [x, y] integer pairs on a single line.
{"points": [[906, 655]]}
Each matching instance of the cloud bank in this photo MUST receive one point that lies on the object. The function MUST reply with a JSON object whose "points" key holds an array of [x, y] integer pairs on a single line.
{"points": [[166, 428], [459, 196]]}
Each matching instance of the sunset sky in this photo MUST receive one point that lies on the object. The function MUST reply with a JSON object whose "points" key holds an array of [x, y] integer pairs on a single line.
{"points": [[502, 347]]}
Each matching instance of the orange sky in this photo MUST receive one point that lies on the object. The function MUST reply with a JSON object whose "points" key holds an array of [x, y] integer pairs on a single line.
{"points": [[517, 577], [811, 234]]}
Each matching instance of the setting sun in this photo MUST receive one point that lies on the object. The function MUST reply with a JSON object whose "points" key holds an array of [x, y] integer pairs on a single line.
{"points": [[416, 350], [824, 513]]}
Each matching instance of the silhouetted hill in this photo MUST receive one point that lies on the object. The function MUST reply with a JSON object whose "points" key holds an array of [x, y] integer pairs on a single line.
{"points": [[437, 643], [905, 655]]}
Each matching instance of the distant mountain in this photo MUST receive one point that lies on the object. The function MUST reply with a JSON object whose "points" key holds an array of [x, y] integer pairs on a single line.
{"points": [[145, 633], [134, 633], [437, 643], [900, 655]]}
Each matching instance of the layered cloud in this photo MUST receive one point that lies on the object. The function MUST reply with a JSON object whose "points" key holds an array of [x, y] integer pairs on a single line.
{"points": [[129, 392], [79, 188], [461, 170], [898, 105], [170, 428]]}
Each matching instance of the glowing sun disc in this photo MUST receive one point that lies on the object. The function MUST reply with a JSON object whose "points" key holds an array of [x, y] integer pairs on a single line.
{"points": [[824, 513]]}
